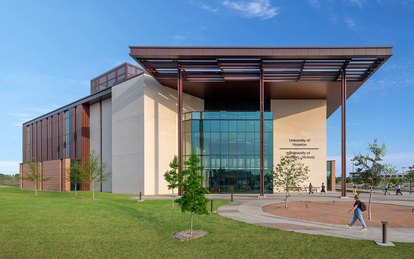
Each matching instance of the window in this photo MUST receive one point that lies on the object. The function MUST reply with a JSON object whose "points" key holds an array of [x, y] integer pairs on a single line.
{"points": [[229, 144], [67, 146], [29, 144]]}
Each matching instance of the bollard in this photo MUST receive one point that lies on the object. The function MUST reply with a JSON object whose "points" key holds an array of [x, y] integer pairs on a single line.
{"points": [[231, 197], [140, 194], [384, 231], [211, 205]]}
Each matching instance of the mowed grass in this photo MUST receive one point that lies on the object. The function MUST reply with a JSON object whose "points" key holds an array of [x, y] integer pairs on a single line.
{"points": [[56, 225]]}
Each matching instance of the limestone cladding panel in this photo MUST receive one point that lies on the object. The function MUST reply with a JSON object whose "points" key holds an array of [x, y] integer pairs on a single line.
{"points": [[161, 131], [107, 141], [51, 171], [128, 136], [299, 128]]}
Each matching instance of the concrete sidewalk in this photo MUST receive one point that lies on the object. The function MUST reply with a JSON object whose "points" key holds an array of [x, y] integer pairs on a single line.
{"points": [[248, 208]]}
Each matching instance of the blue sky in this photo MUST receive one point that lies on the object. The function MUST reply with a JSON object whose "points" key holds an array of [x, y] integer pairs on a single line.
{"points": [[49, 50]]}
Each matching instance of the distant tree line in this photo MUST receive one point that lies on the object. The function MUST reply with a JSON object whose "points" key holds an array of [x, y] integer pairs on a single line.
{"points": [[9, 179]]}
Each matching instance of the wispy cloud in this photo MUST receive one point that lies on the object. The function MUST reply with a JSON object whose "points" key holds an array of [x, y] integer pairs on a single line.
{"points": [[18, 118], [350, 23], [395, 75], [315, 3], [16, 81], [192, 36], [208, 8], [358, 3], [254, 9], [401, 159]]}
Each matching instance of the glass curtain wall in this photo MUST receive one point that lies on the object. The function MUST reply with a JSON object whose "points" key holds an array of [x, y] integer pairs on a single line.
{"points": [[229, 146]]}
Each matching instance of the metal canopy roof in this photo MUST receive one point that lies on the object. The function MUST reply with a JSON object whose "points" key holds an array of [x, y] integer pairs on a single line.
{"points": [[297, 72]]}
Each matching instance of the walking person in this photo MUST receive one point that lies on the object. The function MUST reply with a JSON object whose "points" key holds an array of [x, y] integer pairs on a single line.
{"points": [[386, 186], [310, 188], [398, 191], [354, 189], [357, 214], [323, 189]]}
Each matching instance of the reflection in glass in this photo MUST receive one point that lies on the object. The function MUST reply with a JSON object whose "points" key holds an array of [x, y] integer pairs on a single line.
{"points": [[229, 143]]}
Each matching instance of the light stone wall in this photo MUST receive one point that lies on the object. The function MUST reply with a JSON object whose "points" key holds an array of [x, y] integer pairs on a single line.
{"points": [[128, 136], [95, 128], [161, 131], [95, 136], [107, 142], [300, 126]]}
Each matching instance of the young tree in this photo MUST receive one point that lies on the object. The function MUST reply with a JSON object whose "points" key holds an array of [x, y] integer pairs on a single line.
{"points": [[34, 176], [289, 173], [77, 175], [193, 198], [97, 171], [172, 177], [369, 168], [409, 176]]}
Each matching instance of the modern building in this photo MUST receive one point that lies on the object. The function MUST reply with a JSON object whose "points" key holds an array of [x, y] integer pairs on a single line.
{"points": [[239, 108]]}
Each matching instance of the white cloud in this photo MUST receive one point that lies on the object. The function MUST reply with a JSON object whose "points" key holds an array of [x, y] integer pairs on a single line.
{"points": [[182, 40], [404, 159], [255, 8], [209, 8], [394, 75], [9, 167], [350, 23], [358, 3], [315, 3], [18, 118]]}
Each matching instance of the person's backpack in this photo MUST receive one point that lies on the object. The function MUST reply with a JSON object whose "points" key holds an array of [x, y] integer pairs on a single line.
{"points": [[362, 206]]}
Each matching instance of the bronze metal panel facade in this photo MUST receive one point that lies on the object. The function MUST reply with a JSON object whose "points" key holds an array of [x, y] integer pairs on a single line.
{"points": [[55, 131], [44, 140], [61, 132], [154, 52], [85, 129], [78, 134], [72, 133]]}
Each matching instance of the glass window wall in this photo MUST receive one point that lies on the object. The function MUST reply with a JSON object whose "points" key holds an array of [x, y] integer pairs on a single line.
{"points": [[229, 146]]}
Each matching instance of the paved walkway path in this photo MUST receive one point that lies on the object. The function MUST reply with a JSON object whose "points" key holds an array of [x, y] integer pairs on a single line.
{"points": [[248, 208]]}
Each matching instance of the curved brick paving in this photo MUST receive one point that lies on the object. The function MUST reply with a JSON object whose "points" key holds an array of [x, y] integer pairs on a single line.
{"points": [[248, 208]]}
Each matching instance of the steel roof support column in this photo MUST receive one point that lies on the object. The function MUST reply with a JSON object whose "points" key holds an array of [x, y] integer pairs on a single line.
{"points": [[343, 133], [261, 133], [180, 121]]}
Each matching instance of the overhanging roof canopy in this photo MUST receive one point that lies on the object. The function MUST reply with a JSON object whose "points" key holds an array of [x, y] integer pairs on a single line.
{"points": [[288, 73]]}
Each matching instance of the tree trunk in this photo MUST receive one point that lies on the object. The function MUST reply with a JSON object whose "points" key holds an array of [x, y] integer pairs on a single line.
{"points": [[93, 190], [191, 223], [286, 199], [411, 187], [172, 194], [76, 190], [36, 188], [369, 204]]}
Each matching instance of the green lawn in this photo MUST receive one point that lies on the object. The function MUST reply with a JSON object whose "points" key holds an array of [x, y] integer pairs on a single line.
{"points": [[57, 225]]}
